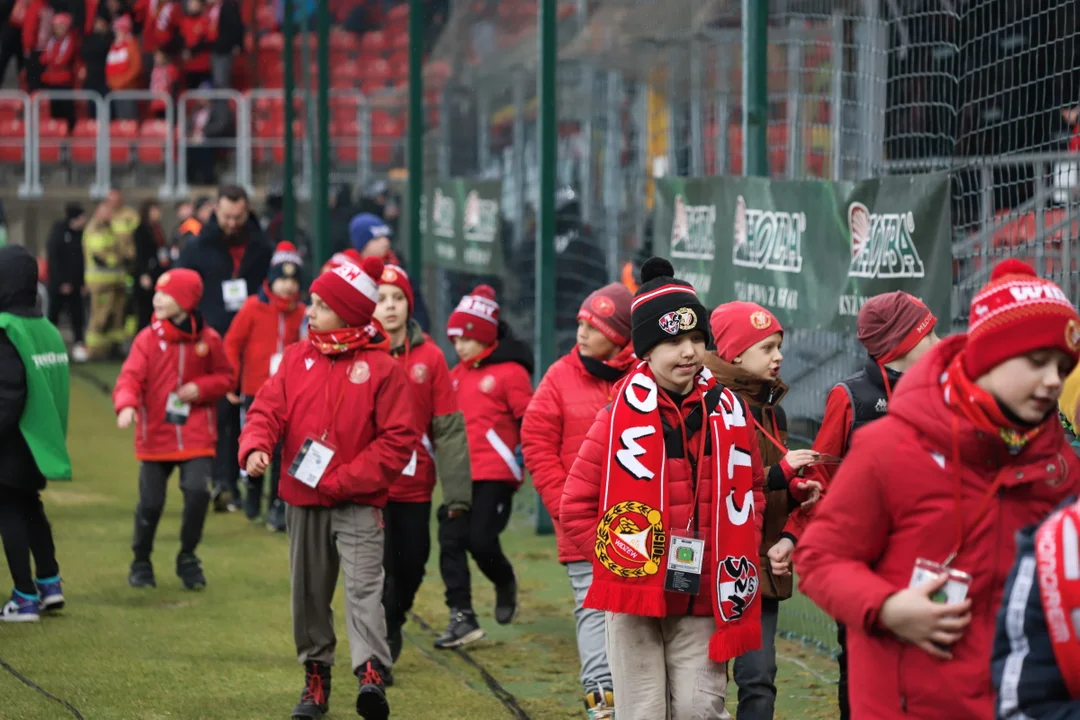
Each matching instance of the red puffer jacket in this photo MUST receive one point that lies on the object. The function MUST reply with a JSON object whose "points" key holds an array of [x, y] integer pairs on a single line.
{"points": [[893, 501], [354, 399], [580, 507], [556, 423], [259, 332], [153, 369]]}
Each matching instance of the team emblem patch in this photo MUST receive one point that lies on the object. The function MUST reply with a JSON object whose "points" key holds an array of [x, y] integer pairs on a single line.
{"points": [[288, 270], [737, 585], [487, 384], [603, 306], [389, 275], [630, 539], [202, 349], [419, 373], [1072, 335], [360, 372], [760, 320], [678, 321], [669, 323]]}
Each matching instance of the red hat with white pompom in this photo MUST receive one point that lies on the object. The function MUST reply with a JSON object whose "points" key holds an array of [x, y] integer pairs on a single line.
{"points": [[476, 317], [351, 290]]}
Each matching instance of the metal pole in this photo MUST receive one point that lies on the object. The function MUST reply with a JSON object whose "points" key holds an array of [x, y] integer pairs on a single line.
{"points": [[416, 134], [519, 158], [836, 116], [587, 109], [321, 207], [697, 112], [290, 86], [612, 176], [794, 97], [755, 31]]}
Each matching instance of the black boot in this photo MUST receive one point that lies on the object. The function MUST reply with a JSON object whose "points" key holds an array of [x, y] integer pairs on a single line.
{"points": [[141, 575], [275, 517], [252, 499], [462, 630], [371, 702], [315, 698], [506, 602], [189, 570]]}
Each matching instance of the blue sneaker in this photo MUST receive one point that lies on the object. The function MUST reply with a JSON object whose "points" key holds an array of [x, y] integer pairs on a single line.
{"points": [[52, 597], [20, 608]]}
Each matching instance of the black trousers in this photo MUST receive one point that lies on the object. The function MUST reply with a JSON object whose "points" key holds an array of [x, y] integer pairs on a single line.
{"points": [[144, 305], [475, 533], [256, 483], [25, 531], [405, 553], [153, 486], [841, 660], [226, 466], [11, 49], [73, 304]]}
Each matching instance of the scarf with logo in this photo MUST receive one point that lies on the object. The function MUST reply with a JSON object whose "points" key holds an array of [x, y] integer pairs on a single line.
{"points": [[982, 409], [632, 536], [346, 340]]}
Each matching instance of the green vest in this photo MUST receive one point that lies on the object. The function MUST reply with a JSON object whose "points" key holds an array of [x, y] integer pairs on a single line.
{"points": [[45, 417]]}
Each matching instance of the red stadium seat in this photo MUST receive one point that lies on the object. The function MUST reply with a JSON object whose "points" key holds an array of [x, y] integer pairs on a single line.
{"points": [[11, 141], [346, 141], [151, 146], [51, 136], [373, 41], [274, 42], [400, 41], [122, 135], [376, 73]]}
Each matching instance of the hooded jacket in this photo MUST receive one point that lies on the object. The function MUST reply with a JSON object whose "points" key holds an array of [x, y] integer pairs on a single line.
{"points": [[259, 333], [64, 250]]}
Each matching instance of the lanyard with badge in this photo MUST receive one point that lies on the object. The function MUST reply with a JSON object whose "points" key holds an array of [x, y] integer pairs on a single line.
{"points": [[314, 456], [275, 359], [686, 552]]}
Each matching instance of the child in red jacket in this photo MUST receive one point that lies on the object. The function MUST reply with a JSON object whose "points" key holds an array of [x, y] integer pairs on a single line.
{"points": [[169, 385], [58, 63], [443, 445], [911, 547], [573, 391], [493, 382], [335, 404], [266, 324], [665, 495], [195, 30], [164, 78]]}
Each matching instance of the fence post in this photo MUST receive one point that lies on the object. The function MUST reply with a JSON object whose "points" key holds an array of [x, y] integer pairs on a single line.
{"points": [[519, 157], [415, 147], [755, 39], [836, 115], [322, 180], [289, 193], [612, 176]]}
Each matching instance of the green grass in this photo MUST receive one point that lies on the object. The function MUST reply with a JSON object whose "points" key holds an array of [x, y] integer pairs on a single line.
{"points": [[227, 652]]}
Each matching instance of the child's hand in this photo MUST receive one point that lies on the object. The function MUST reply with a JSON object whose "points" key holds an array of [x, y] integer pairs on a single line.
{"points": [[798, 459], [125, 418], [809, 492], [257, 463], [911, 615], [189, 392], [780, 556], [233, 398]]}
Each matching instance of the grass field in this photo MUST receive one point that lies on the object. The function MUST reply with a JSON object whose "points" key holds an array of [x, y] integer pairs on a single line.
{"points": [[227, 652]]}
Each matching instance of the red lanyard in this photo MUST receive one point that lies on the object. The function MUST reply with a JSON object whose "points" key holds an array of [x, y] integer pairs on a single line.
{"points": [[779, 445], [958, 483], [696, 466]]}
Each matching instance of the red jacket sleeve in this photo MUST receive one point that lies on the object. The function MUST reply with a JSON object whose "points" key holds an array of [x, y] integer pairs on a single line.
{"points": [[832, 438], [236, 338], [30, 26], [517, 390], [580, 505], [131, 384], [265, 420], [849, 533], [221, 380], [541, 443]]}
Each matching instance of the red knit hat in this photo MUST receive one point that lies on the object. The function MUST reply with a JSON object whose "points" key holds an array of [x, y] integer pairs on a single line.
{"points": [[182, 285], [476, 317], [738, 326], [892, 323], [394, 275], [1018, 312], [351, 290], [608, 310]]}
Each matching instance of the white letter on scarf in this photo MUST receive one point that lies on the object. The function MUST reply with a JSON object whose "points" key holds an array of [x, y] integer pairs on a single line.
{"points": [[741, 458], [645, 383], [731, 409], [628, 456]]}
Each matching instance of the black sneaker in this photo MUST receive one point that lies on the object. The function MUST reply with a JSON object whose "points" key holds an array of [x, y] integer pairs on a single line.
{"points": [[189, 570], [462, 630], [506, 602], [141, 575], [221, 498], [252, 501], [315, 698], [394, 639], [275, 517], [371, 702]]}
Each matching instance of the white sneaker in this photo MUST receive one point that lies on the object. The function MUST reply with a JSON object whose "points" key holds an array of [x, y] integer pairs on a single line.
{"points": [[79, 353]]}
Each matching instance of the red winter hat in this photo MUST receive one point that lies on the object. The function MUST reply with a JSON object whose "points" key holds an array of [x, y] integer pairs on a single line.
{"points": [[394, 275], [1018, 312], [608, 310], [476, 317], [738, 326], [891, 324], [182, 285], [351, 290]]}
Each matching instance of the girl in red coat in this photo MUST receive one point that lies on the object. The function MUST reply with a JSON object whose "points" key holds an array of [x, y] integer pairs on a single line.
{"points": [[335, 403], [970, 452], [573, 391], [443, 444], [169, 385], [266, 324], [665, 497], [493, 383]]}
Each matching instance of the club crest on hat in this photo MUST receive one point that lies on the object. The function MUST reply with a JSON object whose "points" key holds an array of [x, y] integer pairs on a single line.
{"points": [[360, 372], [419, 373], [288, 270], [737, 585], [669, 323], [1072, 335], [201, 349], [487, 384], [760, 320], [603, 306], [630, 539], [389, 275], [678, 321]]}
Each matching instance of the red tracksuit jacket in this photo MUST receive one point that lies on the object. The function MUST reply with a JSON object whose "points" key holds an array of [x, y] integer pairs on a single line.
{"points": [[258, 332], [156, 367], [195, 29], [59, 60], [353, 400]]}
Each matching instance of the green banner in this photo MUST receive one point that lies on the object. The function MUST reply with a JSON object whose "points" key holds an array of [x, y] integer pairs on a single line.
{"points": [[810, 251], [460, 223]]}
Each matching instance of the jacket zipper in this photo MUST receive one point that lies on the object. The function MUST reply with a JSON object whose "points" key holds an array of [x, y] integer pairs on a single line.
{"points": [[179, 384], [693, 493]]}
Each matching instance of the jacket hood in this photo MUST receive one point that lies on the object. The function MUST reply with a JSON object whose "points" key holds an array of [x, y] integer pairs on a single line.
{"points": [[18, 280], [753, 389], [416, 338], [509, 349]]}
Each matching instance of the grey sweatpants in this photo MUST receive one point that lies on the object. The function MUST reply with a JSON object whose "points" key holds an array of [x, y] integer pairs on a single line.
{"points": [[591, 636], [755, 672], [322, 541]]}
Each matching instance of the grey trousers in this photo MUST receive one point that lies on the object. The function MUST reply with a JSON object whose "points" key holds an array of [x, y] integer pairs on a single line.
{"points": [[221, 70], [322, 541], [195, 476], [591, 635], [755, 672]]}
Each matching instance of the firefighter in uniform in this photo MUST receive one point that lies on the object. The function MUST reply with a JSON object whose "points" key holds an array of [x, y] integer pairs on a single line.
{"points": [[107, 258]]}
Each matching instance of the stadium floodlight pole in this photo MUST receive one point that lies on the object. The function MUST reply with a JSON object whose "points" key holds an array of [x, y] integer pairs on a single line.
{"points": [[415, 147], [288, 192], [545, 242], [755, 39], [322, 178]]}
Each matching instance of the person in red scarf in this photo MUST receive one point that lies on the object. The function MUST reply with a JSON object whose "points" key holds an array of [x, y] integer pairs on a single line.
{"points": [[560, 414], [174, 375], [58, 65], [164, 78], [123, 67], [335, 403], [911, 547], [267, 323], [666, 499], [196, 31]]}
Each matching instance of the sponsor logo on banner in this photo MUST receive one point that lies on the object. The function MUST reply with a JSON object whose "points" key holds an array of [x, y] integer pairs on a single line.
{"points": [[443, 214], [882, 244], [630, 539], [768, 239], [481, 218], [692, 231], [737, 584]]}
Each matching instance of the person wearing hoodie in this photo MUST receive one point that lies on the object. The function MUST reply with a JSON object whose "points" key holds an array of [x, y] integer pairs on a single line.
{"points": [[67, 268], [33, 437], [443, 446], [493, 382], [574, 389], [913, 543]]}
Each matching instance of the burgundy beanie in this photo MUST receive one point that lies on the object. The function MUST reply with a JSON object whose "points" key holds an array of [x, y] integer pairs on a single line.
{"points": [[608, 310], [351, 290], [892, 323], [394, 275], [737, 326], [182, 285], [476, 317]]}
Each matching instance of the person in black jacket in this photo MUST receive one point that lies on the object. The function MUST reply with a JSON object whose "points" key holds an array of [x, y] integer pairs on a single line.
{"points": [[64, 254], [94, 53], [228, 44], [151, 259], [232, 256]]}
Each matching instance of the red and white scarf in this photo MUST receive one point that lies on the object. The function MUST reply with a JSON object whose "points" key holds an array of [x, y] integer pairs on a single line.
{"points": [[1057, 557], [348, 339], [634, 520]]}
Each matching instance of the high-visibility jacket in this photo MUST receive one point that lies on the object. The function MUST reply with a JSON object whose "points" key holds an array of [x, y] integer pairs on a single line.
{"points": [[124, 222], [105, 255]]}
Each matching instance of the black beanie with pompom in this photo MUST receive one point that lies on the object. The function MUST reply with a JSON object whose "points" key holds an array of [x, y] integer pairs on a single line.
{"points": [[664, 308]]}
